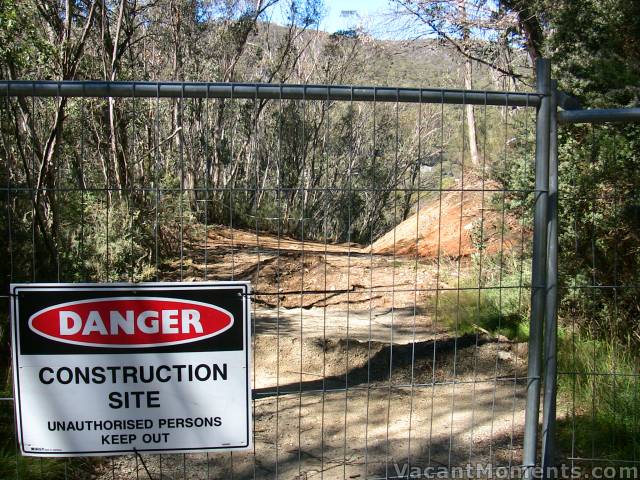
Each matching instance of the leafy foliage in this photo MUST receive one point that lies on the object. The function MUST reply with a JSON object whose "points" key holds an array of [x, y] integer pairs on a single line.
{"points": [[599, 234], [595, 50]]}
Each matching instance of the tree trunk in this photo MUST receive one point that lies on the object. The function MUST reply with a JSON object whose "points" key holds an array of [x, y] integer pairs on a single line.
{"points": [[468, 85], [470, 116]]}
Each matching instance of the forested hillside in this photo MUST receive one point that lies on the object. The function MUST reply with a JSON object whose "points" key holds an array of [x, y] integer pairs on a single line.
{"points": [[113, 156]]}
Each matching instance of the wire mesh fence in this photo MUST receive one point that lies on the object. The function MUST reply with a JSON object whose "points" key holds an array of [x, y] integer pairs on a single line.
{"points": [[597, 417], [389, 254]]}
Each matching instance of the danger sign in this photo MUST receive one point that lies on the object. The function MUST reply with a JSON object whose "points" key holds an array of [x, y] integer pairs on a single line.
{"points": [[103, 369]]}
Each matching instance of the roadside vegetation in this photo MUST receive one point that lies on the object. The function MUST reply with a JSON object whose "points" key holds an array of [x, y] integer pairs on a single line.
{"points": [[599, 407]]}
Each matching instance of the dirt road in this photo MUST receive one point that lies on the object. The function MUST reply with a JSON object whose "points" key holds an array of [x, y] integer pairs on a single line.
{"points": [[352, 373]]}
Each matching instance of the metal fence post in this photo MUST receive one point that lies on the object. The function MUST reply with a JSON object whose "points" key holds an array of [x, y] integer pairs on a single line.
{"points": [[539, 268], [551, 313]]}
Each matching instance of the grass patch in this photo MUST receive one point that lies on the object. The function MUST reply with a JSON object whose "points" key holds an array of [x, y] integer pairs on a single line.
{"points": [[498, 311], [468, 311], [602, 411]]}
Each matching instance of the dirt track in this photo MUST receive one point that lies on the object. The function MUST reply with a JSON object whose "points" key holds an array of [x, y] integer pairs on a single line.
{"points": [[345, 373]]}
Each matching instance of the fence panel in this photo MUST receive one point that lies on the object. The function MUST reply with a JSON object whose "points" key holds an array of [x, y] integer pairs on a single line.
{"points": [[390, 260], [598, 396]]}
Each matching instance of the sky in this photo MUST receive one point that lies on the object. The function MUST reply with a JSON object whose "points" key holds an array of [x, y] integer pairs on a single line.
{"points": [[344, 14]]}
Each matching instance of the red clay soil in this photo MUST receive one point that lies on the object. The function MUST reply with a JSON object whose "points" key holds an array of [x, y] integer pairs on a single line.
{"points": [[450, 225]]}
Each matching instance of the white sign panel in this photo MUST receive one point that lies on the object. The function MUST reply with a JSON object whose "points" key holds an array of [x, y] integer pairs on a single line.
{"points": [[106, 369]]}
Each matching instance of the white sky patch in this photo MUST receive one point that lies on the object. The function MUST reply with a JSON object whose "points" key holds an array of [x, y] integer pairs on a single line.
{"points": [[344, 15]]}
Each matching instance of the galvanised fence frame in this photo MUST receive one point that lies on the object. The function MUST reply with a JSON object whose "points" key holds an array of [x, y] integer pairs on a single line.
{"points": [[566, 111], [542, 346]]}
